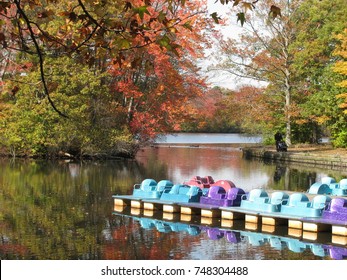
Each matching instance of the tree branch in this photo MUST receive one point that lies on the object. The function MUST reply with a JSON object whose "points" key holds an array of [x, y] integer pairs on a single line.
{"points": [[40, 55]]}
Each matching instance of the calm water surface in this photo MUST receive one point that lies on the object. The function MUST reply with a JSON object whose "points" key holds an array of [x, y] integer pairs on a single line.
{"points": [[64, 210]]}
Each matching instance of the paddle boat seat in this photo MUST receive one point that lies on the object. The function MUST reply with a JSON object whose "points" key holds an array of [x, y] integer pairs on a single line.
{"points": [[328, 180], [319, 188], [220, 197], [341, 188], [329, 186], [217, 193], [225, 184], [299, 205], [234, 196], [163, 185], [259, 200], [279, 198], [182, 193], [201, 182], [336, 210], [149, 188]]}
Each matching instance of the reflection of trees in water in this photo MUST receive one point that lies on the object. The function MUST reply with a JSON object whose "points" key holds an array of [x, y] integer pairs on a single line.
{"points": [[56, 210], [294, 176], [292, 179], [60, 210]]}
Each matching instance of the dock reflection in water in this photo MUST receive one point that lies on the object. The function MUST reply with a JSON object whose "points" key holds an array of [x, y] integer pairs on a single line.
{"points": [[279, 238]]}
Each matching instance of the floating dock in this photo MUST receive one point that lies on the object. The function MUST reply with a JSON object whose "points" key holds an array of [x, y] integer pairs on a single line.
{"points": [[229, 214]]}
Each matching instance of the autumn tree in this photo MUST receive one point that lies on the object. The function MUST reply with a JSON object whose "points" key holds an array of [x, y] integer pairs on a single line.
{"points": [[262, 54], [317, 24], [125, 80], [93, 28], [341, 68], [157, 85]]}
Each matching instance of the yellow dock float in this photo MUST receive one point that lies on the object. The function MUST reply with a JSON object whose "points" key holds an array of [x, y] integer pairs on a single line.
{"points": [[129, 200], [203, 210], [291, 221], [165, 206], [251, 217]]}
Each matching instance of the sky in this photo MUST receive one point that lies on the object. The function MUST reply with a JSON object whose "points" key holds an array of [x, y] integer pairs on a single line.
{"points": [[232, 29]]}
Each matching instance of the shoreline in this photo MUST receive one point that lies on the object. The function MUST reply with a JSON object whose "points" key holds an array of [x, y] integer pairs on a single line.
{"points": [[318, 155]]}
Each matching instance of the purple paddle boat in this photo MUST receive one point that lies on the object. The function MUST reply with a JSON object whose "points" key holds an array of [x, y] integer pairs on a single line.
{"points": [[218, 196], [336, 210]]}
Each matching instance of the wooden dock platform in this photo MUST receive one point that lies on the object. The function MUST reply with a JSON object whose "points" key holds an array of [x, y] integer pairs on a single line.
{"points": [[306, 224]]}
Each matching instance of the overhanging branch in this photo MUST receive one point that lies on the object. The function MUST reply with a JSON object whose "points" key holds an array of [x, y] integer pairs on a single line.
{"points": [[40, 55]]}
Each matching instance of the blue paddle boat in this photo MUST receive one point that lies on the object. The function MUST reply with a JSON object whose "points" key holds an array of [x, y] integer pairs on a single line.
{"points": [[299, 205], [182, 193], [149, 188], [259, 200], [329, 186]]}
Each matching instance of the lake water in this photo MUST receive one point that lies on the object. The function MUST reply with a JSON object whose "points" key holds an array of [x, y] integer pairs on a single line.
{"points": [[64, 210]]}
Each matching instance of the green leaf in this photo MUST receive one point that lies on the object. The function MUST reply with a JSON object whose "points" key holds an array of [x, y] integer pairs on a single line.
{"points": [[215, 17], [164, 42], [187, 25], [142, 11], [241, 17]]}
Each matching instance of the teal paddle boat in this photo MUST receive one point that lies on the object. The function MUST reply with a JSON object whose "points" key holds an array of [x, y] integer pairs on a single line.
{"points": [[182, 193], [259, 200], [148, 189], [329, 186], [299, 204]]}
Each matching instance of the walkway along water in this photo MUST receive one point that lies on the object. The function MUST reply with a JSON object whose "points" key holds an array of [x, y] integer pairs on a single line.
{"points": [[313, 155]]}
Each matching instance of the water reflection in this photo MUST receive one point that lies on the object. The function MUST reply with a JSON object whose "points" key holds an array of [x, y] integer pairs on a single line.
{"points": [[225, 162], [234, 236], [63, 210]]}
